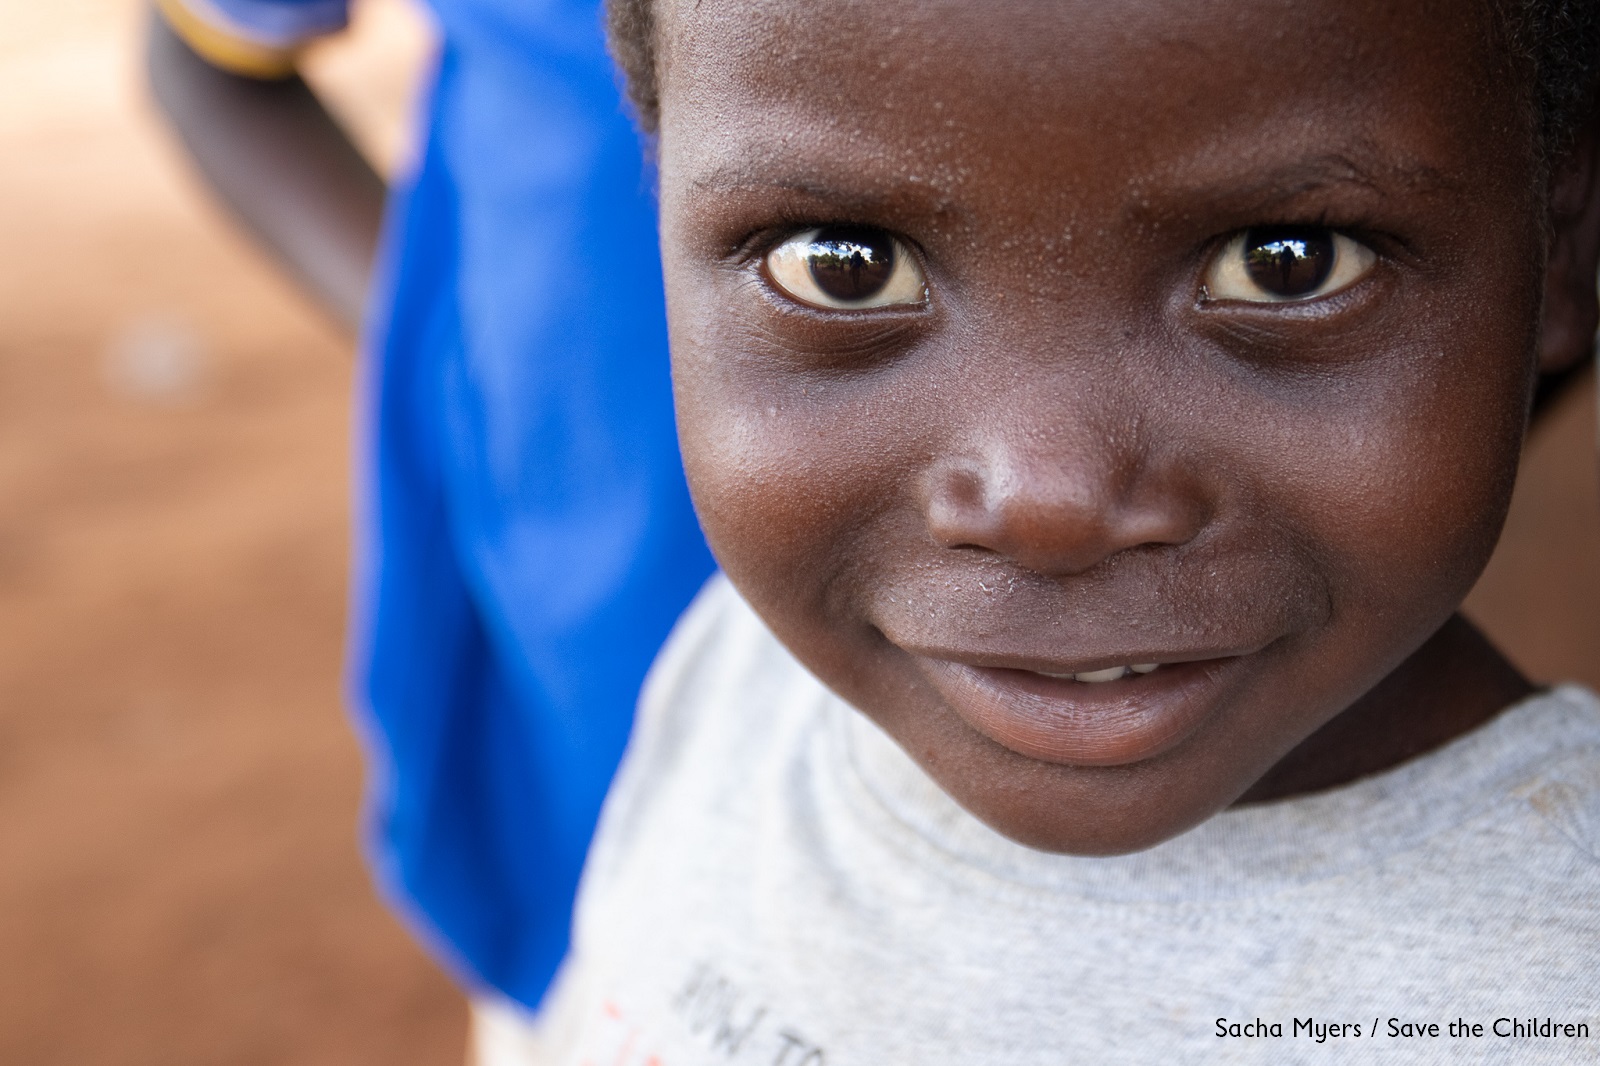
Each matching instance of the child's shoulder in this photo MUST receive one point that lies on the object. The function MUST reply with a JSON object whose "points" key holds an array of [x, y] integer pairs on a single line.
{"points": [[719, 648], [1511, 805], [723, 693], [1562, 787], [721, 680]]}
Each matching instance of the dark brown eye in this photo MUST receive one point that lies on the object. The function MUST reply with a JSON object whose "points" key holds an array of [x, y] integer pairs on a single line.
{"points": [[854, 267], [1288, 263]]}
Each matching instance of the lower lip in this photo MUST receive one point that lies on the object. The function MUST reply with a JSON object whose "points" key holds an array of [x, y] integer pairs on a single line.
{"points": [[1110, 723]]}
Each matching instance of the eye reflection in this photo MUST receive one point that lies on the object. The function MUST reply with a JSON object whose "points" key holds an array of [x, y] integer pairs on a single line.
{"points": [[1282, 264], [1288, 264], [846, 267]]}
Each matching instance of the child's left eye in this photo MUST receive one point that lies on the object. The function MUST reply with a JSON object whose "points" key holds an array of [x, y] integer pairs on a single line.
{"points": [[847, 267], [1283, 264]]}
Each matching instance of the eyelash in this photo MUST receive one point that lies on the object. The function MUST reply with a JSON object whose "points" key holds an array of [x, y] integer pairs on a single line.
{"points": [[755, 245]]}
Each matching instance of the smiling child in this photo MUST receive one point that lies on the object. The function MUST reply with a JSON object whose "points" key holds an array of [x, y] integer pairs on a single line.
{"points": [[1099, 411]]}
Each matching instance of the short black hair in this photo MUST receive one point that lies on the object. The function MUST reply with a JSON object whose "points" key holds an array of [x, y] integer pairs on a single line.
{"points": [[1555, 44], [631, 35]]}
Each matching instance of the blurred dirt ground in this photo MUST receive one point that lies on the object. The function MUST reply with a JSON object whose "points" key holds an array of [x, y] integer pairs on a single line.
{"points": [[179, 879], [179, 788]]}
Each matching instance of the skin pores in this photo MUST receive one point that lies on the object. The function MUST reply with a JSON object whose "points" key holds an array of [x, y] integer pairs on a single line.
{"points": [[1076, 441]]}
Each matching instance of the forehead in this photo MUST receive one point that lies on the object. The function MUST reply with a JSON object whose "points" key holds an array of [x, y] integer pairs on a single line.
{"points": [[1047, 97]]}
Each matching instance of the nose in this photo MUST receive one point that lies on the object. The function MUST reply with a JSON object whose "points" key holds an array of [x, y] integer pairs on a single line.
{"points": [[1060, 501]]}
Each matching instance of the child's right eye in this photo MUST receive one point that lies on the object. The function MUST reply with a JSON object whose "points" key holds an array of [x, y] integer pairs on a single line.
{"points": [[1282, 264], [847, 268]]}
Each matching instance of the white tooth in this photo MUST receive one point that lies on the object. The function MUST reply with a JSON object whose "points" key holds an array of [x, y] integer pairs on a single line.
{"points": [[1064, 677], [1110, 673], [1144, 668]]}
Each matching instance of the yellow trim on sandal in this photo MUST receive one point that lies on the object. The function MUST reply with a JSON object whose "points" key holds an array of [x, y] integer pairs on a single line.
{"points": [[230, 52]]}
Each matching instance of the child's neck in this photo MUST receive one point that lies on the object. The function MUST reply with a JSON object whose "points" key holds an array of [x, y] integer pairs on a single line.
{"points": [[1449, 686]]}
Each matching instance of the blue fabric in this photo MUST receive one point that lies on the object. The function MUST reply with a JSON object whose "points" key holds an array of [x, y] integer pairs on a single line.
{"points": [[276, 23], [525, 538]]}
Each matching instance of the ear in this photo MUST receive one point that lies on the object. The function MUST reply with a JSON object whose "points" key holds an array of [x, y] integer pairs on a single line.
{"points": [[1571, 308]]}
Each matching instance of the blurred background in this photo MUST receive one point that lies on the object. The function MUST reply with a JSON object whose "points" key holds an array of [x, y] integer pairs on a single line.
{"points": [[180, 879], [179, 787]]}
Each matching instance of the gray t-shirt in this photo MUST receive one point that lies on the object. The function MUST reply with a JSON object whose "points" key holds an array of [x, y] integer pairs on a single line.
{"points": [[776, 884]]}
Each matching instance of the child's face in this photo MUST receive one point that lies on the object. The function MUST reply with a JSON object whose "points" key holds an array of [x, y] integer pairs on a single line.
{"points": [[1206, 343]]}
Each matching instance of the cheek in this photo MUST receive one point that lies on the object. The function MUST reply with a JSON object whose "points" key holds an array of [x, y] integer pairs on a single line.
{"points": [[1402, 489], [759, 496], [783, 481]]}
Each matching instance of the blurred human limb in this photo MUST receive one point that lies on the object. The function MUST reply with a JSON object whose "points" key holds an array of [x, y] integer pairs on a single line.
{"points": [[281, 163]]}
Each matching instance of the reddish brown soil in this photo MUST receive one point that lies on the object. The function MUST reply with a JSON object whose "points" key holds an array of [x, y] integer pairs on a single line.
{"points": [[179, 881]]}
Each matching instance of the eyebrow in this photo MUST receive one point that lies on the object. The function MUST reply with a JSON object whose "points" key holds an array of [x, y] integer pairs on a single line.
{"points": [[1381, 174], [922, 196], [1366, 168], [1331, 168]]}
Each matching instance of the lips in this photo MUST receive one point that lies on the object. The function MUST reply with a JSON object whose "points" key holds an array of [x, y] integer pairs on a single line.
{"points": [[1057, 668], [1087, 717]]}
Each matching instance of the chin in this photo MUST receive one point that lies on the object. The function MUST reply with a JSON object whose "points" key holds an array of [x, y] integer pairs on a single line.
{"points": [[1080, 810]]}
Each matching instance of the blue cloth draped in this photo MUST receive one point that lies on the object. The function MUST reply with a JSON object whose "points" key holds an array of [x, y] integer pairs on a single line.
{"points": [[525, 539]]}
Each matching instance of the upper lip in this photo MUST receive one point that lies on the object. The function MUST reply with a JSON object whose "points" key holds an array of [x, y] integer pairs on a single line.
{"points": [[1149, 610]]}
